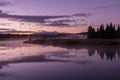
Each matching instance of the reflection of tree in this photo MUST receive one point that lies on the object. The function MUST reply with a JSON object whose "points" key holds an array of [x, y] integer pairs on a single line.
{"points": [[109, 53], [91, 51], [118, 53]]}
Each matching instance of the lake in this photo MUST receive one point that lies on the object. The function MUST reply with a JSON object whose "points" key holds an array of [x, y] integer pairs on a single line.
{"points": [[20, 61]]}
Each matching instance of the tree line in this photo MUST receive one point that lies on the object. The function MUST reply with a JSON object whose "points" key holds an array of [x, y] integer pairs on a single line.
{"points": [[110, 31], [13, 35]]}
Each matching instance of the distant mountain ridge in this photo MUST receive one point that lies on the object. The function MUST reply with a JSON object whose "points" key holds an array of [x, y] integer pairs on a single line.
{"points": [[54, 33]]}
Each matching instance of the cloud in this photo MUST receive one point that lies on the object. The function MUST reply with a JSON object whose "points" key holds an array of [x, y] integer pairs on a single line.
{"points": [[59, 21], [37, 19], [4, 3], [83, 20], [16, 32], [82, 14], [25, 18], [8, 31], [63, 21], [83, 24], [58, 24], [107, 6], [2, 14]]}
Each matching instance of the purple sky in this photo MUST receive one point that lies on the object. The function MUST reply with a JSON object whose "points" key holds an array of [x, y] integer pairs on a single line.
{"points": [[69, 15]]}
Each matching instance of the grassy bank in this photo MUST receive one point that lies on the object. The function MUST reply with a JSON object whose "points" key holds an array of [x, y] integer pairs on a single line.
{"points": [[76, 41]]}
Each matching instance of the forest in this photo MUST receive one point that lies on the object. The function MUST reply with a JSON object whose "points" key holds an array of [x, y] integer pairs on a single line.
{"points": [[110, 31]]}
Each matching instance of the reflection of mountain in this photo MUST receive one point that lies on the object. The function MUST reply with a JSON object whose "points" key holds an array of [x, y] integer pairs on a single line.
{"points": [[109, 53]]}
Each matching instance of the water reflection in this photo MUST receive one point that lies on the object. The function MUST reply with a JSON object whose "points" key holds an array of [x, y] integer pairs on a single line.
{"points": [[47, 62], [105, 52], [110, 53], [75, 54], [3, 74]]}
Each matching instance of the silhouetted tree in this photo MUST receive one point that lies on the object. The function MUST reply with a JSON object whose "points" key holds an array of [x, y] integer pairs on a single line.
{"points": [[91, 32], [118, 32], [98, 33], [104, 33], [101, 33]]}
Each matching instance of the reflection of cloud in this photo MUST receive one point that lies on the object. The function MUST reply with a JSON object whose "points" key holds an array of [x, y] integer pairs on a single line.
{"points": [[53, 56], [61, 54], [38, 58]]}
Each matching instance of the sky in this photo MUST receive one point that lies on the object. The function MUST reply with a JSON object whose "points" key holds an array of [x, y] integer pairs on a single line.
{"points": [[71, 16]]}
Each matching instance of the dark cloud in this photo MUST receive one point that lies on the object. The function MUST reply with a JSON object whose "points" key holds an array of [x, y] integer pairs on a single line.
{"points": [[63, 21], [82, 14], [60, 23], [8, 31], [4, 3], [3, 14], [15, 31], [84, 24], [37, 19], [34, 19], [107, 6], [83, 20], [45, 20]]}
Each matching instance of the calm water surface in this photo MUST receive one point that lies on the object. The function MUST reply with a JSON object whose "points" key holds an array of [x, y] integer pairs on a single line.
{"points": [[19, 61]]}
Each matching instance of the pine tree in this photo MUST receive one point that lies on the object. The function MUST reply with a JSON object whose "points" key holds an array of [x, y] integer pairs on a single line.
{"points": [[102, 31], [91, 32]]}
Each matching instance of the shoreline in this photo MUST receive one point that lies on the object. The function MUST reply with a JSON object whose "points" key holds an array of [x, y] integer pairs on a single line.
{"points": [[76, 42]]}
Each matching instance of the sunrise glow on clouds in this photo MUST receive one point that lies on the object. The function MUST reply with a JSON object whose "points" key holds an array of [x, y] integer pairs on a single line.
{"points": [[72, 16]]}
